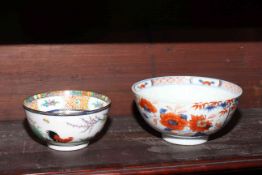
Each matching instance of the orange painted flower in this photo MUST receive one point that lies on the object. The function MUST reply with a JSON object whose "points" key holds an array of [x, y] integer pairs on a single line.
{"points": [[147, 105], [199, 123], [173, 121], [207, 83]]}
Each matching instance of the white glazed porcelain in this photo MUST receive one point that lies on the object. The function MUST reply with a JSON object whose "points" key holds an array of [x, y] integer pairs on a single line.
{"points": [[66, 120], [186, 109]]}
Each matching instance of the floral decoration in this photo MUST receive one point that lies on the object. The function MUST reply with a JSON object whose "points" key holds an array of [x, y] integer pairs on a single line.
{"points": [[147, 105], [208, 83], [143, 85], [48, 103], [73, 99], [199, 123], [187, 119], [225, 106], [173, 121]]}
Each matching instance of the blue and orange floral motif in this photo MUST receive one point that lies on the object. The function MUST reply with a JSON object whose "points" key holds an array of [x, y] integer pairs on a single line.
{"points": [[226, 106], [181, 117], [147, 106], [208, 83], [199, 123], [143, 85], [173, 121]]}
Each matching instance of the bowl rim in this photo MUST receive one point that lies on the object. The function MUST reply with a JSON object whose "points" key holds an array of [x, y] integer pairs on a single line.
{"points": [[190, 76], [81, 112]]}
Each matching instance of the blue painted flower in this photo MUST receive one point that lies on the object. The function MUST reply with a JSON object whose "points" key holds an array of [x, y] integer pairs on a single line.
{"points": [[184, 116], [163, 111], [223, 105], [210, 108]]}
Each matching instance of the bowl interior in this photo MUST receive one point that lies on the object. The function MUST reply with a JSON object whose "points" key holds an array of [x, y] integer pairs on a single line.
{"points": [[66, 102], [186, 89]]}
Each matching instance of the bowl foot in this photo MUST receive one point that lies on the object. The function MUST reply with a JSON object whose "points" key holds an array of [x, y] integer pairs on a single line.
{"points": [[67, 148], [184, 141]]}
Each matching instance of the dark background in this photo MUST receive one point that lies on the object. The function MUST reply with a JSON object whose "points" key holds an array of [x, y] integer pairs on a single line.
{"points": [[83, 21]]}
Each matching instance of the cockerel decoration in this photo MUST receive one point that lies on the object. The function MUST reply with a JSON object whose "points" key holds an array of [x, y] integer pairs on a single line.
{"points": [[55, 137]]}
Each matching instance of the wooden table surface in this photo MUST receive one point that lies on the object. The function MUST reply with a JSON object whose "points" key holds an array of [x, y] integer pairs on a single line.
{"points": [[128, 146]]}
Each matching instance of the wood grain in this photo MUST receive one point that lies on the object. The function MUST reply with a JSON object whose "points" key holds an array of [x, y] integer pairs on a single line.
{"points": [[129, 146], [112, 69]]}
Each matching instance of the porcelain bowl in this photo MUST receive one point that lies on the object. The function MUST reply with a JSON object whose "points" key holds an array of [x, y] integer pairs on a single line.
{"points": [[66, 120], [186, 109]]}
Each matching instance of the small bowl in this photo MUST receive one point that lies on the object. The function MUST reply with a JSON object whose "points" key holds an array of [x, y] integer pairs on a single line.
{"points": [[186, 109], [66, 120]]}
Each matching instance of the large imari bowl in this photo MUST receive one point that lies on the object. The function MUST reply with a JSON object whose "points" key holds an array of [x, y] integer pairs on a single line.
{"points": [[66, 120], [186, 109]]}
